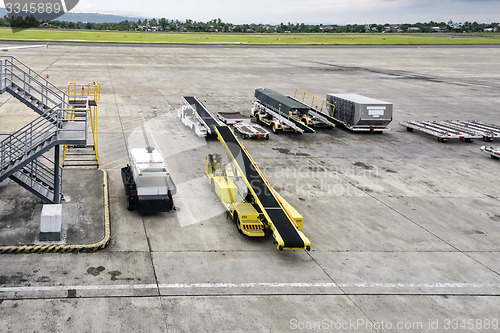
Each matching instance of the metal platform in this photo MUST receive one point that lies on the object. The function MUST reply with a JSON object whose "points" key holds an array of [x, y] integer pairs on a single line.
{"points": [[23, 154], [285, 232], [463, 130], [494, 152], [249, 130]]}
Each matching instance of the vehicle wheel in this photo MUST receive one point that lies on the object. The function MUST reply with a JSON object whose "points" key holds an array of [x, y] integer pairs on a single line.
{"points": [[275, 129], [494, 157], [487, 139], [469, 140], [238, 225], [442, 140], [244, 136], [130, 203], [409, 129], [266, 137]]}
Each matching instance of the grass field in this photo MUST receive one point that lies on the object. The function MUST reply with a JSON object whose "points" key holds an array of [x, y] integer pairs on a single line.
{"points": [[45, 35]]}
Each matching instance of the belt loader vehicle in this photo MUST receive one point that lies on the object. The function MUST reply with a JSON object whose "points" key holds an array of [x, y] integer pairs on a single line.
{"points": [[195, 115], [249, 199], [147, 182], [284, 113]]}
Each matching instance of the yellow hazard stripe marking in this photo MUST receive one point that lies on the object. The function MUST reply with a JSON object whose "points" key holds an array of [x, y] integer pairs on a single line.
{"points": [[19, 249]]}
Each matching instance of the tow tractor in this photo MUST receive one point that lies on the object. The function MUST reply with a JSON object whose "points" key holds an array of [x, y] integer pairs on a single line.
{"points": [[494, 152], [255, 207], [148, 184]]}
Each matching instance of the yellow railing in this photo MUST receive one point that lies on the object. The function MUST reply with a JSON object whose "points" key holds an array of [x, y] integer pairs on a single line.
{"points": [[91, 90], [81, 93], [314, 101]]}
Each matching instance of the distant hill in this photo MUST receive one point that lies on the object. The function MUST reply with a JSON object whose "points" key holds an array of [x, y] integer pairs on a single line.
{"points": [[88, 17]]}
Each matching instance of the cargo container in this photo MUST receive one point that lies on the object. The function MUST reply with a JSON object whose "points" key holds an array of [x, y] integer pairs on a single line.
{"points": [[360, 113]]}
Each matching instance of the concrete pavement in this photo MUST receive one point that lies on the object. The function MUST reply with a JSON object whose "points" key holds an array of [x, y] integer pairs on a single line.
{"points": [[404, 229]]}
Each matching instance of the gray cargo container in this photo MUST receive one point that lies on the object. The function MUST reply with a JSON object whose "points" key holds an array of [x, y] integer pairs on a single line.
{"points": [[357, 112]]}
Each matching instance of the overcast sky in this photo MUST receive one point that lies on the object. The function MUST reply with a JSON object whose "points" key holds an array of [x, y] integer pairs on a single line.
{"points": [[306, 11]]}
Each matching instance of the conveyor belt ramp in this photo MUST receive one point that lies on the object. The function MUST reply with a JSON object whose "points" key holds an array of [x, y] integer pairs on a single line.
{"points": [[284, 228]]}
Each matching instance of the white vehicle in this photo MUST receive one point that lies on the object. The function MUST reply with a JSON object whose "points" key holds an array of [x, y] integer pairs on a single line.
{"points": [[190, 118], [195, 115], [147, 182]]}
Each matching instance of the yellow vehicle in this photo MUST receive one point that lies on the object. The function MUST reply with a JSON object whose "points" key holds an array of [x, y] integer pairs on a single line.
{"points": [[223, 181], [249, 199]]}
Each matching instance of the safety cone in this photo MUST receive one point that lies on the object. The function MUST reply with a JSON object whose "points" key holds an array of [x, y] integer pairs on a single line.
{"points": [[47, 75]]}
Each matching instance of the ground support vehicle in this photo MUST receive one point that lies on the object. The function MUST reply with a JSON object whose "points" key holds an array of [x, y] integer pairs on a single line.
{"points": [[249, 198], [148, 184], [195, 115], [281, 113]]}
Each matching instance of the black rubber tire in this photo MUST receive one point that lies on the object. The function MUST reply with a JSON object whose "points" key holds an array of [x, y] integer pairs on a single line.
{"points": [[130, 204], [487, 139], [275, 129], [494, 157], [244, 136], [238, 225], [409, 129], [442, 140], [469, 140]]}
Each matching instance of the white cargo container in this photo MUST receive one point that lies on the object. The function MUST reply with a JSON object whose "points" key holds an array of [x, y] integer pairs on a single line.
{"points": [[360, 113]]}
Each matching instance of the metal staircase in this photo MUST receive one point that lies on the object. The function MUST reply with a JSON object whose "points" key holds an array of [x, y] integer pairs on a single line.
{"points": [[25, 154]]}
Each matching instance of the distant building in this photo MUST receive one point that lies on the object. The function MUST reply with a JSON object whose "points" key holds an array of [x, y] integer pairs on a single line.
{"points": [[437, 29]]}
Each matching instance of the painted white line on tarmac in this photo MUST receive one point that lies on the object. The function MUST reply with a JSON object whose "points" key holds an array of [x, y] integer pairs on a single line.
{"points": [[256, 285], [87, 288]]}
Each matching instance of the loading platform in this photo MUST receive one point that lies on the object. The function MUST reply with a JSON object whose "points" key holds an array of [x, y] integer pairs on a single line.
{"points": [[278, 218], [463, 130]]}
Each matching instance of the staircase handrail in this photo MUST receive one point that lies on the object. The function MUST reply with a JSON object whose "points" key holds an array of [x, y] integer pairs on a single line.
{"points": [[26, 139], [8, 66]]}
